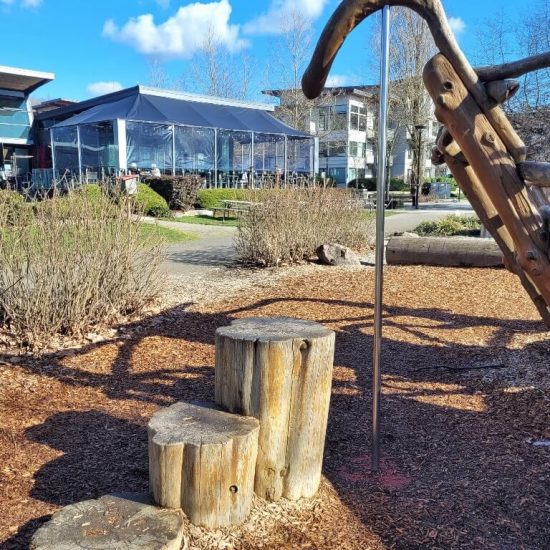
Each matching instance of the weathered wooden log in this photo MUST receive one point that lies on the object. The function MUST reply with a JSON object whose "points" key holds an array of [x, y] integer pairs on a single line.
{"points": [[535, 173], [113, 521], [494, 166], [279, 370], [202, 460], [477, 196], [444, 251]]}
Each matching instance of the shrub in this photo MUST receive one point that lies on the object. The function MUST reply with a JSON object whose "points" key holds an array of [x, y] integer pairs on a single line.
{"points": [[71, 266], [15, 210], [180, 192], [289, 225], [211, 198], [150, 203], [449, 226]]}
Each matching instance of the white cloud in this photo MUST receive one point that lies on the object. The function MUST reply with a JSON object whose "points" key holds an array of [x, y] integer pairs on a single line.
{"points": [[101, 88], [181, 35], [24, 3], [271, 22], [336, 80], [457, 24]]}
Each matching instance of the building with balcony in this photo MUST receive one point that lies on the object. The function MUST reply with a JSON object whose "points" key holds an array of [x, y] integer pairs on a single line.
{"points": [[344, 119], [16, 120]]}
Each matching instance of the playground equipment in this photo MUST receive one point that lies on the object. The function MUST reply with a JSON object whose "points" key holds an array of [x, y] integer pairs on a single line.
{"points": [[479, 144]]}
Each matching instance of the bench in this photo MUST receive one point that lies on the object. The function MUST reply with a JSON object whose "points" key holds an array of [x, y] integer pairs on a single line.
{"points": [[236, 208]]}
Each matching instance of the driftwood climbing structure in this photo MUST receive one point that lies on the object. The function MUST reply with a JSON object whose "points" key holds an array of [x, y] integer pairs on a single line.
{"points": [[481, 148]]}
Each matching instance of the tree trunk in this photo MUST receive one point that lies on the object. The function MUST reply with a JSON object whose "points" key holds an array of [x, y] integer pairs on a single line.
{"points": [[202, 461], [517, 207], [279, 370]]}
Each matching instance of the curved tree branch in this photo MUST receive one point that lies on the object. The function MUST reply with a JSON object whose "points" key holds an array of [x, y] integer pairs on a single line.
{"points": [[514, 68]]}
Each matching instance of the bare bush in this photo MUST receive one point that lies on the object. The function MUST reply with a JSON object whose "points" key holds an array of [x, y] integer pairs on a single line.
{"points": [[71, 263], [289, 224]]}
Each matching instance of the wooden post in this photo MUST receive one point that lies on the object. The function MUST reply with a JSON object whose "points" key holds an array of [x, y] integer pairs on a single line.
{"points": [[202, 461], [279, 370], [517, 206]]}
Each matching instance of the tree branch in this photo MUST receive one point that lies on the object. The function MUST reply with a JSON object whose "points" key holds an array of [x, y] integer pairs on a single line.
{"points": [[514, 68]]}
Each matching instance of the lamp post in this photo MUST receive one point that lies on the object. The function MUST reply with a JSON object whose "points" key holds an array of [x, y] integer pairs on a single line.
{"points": [[419, 128]]}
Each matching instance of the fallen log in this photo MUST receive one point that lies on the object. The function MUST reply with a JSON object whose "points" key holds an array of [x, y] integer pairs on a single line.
{"points": [[444, 251]]}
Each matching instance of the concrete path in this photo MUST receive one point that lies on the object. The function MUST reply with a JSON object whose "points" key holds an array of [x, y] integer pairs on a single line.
{"points": [[214, 245]]}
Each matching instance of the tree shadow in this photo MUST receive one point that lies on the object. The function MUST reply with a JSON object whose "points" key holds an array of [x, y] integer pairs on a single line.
{"points": [[442, 440]]}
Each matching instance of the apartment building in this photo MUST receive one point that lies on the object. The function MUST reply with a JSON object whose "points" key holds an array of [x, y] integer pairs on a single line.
{"points": [[344, 121]]}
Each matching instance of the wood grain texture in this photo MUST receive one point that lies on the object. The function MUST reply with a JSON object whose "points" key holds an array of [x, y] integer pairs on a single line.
{"points": [[279, 370], [202, 460], [517, 206], [450, 251]]}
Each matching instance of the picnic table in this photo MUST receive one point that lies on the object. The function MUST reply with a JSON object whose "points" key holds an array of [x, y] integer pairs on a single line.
{"points": [[233, 207]]}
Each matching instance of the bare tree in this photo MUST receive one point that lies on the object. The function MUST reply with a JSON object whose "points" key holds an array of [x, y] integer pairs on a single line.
{"points": [[220, 73], [500, 41], [412, 46]]}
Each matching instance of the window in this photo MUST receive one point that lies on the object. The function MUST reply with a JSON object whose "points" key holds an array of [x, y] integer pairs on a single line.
{"points": [[356, 149], [337, 149], [358, 118], [14, 118], [333, 118], [323, 149]]}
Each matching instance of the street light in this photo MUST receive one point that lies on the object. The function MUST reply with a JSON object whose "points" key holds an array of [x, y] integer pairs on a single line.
{"points": [[419, 128]]}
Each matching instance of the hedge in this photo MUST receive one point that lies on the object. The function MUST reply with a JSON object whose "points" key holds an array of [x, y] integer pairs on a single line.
{"points": [[180, 192], [396, 184], [150, 203], [211, 198]]}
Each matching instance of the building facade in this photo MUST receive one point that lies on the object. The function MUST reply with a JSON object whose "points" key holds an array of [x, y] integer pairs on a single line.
{"points": [[16, 121], [344, 119]]}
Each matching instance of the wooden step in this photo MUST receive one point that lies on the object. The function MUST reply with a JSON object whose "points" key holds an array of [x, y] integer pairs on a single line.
{"points": [[202, 460]]}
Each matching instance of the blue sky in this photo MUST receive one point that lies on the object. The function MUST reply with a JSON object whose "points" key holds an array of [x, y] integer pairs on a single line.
{"points": [[95, 46]]}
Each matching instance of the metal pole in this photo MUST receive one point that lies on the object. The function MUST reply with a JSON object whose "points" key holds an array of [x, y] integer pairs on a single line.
{"points": [[419, 168], [379, 269]]}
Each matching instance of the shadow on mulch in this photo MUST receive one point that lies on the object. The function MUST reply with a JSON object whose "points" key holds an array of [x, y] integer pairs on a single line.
{"points": [[453, 475]]}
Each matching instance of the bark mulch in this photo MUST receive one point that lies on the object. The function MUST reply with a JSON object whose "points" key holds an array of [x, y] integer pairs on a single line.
{"points": [[465, 395]]}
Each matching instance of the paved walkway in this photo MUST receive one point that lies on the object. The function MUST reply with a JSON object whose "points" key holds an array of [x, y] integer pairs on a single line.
{"points": [[214, 246]]}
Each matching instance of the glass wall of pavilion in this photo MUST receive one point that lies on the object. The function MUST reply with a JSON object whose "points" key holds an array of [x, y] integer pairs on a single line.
{"points": [[222, 158]]}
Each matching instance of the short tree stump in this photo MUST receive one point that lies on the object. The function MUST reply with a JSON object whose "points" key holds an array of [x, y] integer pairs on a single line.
{"points": [[279, 370], [202, 460], [124, 521]]}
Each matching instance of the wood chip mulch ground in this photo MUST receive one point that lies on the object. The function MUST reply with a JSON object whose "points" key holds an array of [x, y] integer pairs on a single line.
{"points": [[465, 397]]}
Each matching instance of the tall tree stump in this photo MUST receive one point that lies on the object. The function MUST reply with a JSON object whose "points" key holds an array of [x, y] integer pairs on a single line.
{"points": [[202, 460], [279, 370]]}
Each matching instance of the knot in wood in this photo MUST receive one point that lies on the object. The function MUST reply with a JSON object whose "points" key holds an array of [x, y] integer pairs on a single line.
{"points": [[489, 137]]}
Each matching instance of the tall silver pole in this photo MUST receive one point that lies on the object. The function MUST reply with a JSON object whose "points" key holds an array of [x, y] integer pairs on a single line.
{"points": [[379, 269]]}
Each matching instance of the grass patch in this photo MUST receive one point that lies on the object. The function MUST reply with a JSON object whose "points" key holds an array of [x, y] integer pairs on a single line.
{"points": [[207, 220], [165, 234]]}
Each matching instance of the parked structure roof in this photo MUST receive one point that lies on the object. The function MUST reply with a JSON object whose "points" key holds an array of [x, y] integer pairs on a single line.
{"points": [[145, 104]]}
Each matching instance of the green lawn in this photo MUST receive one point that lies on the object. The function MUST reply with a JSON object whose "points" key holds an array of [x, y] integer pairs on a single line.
{"points": [[168, 235], [206, 220]]}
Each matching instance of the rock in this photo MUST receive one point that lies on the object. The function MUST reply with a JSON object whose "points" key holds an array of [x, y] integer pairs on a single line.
{"points": [[336, 254], [113, 522], [410, 235]]}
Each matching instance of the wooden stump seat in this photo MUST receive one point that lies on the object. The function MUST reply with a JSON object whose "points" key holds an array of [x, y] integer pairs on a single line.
{"points": [[202, 460], [279, 370]]}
